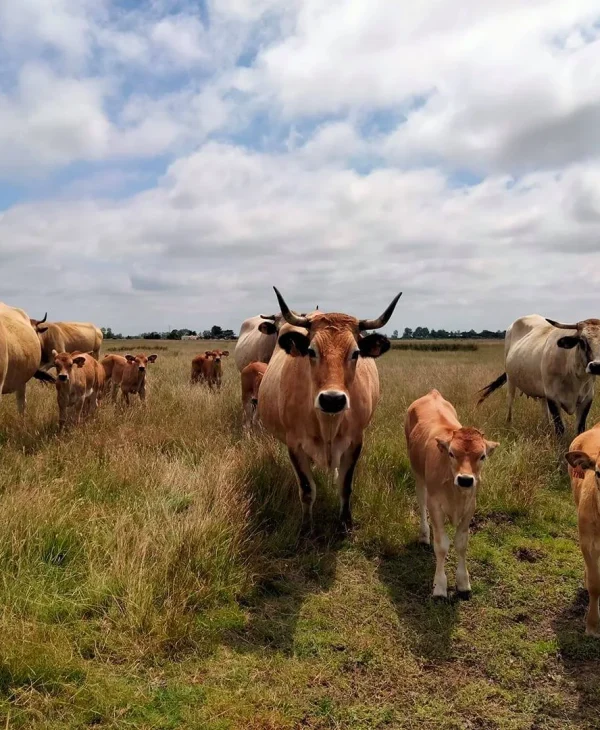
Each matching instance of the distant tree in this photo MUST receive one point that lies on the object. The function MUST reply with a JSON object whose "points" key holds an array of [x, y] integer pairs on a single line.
{"points": [[395, 335], [216, 332], [151, 336], [206, 335], [407, 334], [421, 333], [108, 333]]}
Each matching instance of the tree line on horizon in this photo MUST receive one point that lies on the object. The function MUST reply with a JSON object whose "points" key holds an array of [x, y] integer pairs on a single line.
{"points": [[218, 333]]}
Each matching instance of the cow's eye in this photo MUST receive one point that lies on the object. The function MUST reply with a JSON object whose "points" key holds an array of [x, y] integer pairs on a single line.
{"points": [[311, 352], [355, 355]]}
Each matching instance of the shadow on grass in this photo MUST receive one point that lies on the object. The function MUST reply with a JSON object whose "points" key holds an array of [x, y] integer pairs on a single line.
{"points": [[408, 577], [290, 568], [580, 656]]}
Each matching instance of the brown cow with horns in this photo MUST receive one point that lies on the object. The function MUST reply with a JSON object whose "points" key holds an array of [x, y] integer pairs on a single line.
{"points": [[319, 394]]}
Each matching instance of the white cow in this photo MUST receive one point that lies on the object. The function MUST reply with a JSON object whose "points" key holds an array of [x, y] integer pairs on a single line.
{"points": [[544, 361]]}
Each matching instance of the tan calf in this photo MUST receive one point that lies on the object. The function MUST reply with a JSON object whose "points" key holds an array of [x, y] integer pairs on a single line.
{"points": [[584, 470], [79, 384], [127, 374], [252, 376], [446, 460]]}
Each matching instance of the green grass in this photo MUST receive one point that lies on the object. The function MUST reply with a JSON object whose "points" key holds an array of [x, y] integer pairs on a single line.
{"points": [[151, 575]]}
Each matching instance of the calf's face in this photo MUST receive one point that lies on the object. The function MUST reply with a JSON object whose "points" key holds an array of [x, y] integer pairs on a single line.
{"points": [[64, 364], [466, 451], [141, 361], [581, 462]]}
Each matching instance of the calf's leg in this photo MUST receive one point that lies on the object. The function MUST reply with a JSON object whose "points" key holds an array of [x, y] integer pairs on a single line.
{"points": [[424, 531], [461, 541], [592, 622], [441, 543]]}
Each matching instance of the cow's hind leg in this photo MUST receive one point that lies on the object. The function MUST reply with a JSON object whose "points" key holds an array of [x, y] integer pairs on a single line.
{"points": [[424, 531], [21, 400], [554, 411], [345, 477], [583, 408], [306, 486], [512, 389]]}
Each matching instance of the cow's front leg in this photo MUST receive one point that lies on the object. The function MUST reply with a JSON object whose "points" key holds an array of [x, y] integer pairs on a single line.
{"points": [[581, 414], [461, 541], [306, 485], [345, 476]]}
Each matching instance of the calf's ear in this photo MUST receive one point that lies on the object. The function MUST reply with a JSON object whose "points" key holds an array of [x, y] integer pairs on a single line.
{"points": [[490, 447], [294, 343], [152, 358], [443, 446], [373, 345], [79, 361], [580, 460], [54, 353], [225, 353], [130, 358], [267, 328], [567, 343]]}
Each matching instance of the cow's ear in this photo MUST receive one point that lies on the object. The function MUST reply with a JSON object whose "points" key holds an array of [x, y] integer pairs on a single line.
{"points": [[373, 345], [79, 361], [130, 358], [54, 353], [267, 328], [294, 343], [443, 446], [225, 353], [568, 343], [41, 330], [152, 358], [490, 447], [580, 460]]}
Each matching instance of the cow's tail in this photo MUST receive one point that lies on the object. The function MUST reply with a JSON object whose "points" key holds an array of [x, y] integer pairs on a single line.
{"points": [[489, 389], [44, 377]]}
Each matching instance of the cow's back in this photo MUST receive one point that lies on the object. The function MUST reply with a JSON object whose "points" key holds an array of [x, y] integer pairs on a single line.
{"points": [[20, 351], [428, 417], [524, 346], [252, 345], [70, 337]]}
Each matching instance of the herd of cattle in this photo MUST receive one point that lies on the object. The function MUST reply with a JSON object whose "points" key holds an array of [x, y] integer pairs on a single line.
{"points": [[312, 382]]}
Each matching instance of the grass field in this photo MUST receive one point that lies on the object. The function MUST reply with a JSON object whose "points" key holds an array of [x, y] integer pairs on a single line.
{"points": [[151, 576]]}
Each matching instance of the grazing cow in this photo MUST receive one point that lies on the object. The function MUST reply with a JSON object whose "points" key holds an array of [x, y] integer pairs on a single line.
{"points": [[543, 361], [127, 373], [252, 376], [584, 469], [66, 337], [319, 394], [257, 339], [20, 354], [446, 460], [79, 385]]}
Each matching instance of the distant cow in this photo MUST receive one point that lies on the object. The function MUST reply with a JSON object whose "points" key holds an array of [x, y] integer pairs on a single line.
{"points": [[20, 354], [128, 374], [584, 470], [257, 339], [67, 337], [252, 376], [319, 394], [208, 368], [79, 385], [446, 460], [543, 361]]}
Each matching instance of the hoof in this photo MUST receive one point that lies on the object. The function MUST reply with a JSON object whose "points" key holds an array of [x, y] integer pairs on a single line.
{"points": [[464, 595], [592, 632]]}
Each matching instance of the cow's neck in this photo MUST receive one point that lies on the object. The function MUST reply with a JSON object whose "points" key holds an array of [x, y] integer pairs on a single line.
{"points": [[329, 427]]}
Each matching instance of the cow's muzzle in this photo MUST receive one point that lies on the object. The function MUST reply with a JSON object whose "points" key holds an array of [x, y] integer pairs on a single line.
{"points": [[465, 480], [142, 369], [63, 378], [593, 368], [332, 401]]}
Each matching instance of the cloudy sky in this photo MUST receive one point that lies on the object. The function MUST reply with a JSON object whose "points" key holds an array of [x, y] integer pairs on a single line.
{"points": [[164, 163]]}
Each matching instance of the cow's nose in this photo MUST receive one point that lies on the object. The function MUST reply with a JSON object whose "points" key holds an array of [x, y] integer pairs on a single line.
{"points": [[254, 401], [593, 368], [62, 377], [142, 368], [332, 401], [465, 480]]}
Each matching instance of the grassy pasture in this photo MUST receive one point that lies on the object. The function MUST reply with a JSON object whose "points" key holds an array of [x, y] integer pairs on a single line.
{"points": [[150, 575]]}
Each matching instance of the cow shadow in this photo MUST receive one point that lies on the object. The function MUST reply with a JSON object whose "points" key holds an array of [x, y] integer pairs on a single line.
{"points": [[580, 657], [292, 567], [430, 623]]}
